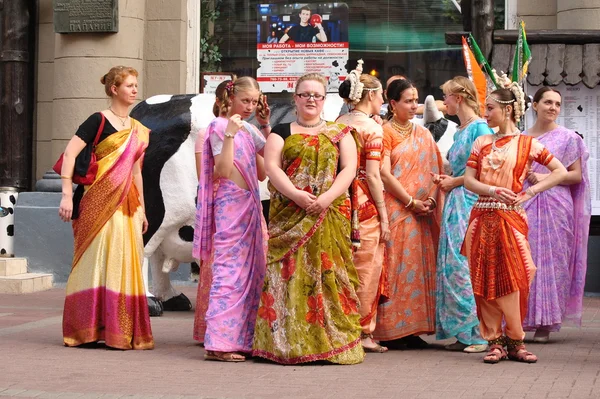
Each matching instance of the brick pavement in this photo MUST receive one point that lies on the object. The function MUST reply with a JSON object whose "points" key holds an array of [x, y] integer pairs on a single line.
{"points": [[33, 363]]}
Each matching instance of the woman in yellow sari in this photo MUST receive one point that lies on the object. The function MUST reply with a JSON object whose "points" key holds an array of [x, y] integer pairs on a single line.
{"points": [[106, 298], [413, 204]]}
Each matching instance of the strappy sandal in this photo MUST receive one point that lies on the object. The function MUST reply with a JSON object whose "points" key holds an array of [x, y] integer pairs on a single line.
{"points": [[495, 354], [373, 349], [518, 352], [233, 357]]}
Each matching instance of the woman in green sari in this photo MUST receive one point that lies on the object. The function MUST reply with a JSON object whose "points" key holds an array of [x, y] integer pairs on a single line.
{"points": [[309, 308]]}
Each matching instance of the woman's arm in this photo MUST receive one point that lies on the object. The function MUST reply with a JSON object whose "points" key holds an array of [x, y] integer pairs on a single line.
{"points": [[260, 167], [348, 162], [198, 164], [74, 147], [139, 184], [278, 178], [573, 175], [376, 190], [500, 193], [224, 161], [557, 174], [394, 187]]}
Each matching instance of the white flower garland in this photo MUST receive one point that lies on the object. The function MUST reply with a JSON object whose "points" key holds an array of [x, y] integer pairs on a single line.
{"points": [[356, 87], [517, 90]]}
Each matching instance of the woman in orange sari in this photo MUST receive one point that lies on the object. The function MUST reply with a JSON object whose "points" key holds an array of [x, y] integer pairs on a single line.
{"points": [[412, 202], [106, 298], [496, 242], [365, 94]]}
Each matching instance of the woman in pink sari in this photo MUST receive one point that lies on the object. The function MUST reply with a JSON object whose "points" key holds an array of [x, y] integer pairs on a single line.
{"points": [[106, 298], [229, 223]]}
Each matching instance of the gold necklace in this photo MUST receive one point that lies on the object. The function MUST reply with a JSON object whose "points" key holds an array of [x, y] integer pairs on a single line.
{"points": [[123, 119], [404, 130], [467, 123]]}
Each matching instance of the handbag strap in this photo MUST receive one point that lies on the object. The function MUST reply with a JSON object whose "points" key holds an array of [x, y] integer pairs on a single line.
{"points": [[100, 129]]}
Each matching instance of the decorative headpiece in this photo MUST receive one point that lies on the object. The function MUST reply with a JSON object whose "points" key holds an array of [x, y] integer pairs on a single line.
{"points": [[356, 87], [516, 89], [229, 87]]}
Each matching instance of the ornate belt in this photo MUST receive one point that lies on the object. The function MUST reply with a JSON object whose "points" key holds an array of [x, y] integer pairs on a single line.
{"points": [[490, 203]]}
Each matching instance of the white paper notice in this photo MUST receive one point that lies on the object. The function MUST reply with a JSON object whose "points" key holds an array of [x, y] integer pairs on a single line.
{"points": [[580, 112]]}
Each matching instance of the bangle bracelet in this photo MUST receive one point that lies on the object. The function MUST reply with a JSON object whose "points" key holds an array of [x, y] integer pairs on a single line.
{"points": [[410, 203], [380, 202], [492, 191], [433, 201], [229, 135], [530, 191], [266, 125], [66, 177]]}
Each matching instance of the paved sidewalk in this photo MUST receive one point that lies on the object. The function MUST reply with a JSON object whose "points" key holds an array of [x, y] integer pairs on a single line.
{"points": [[33, 363]]}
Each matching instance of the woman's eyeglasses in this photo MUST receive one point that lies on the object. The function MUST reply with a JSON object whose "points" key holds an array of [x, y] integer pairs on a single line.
{"points": [[315, 96]]}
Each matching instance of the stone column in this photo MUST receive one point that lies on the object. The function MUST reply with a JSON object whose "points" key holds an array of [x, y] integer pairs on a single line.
{"points": [[577, 14], [81, 59]]}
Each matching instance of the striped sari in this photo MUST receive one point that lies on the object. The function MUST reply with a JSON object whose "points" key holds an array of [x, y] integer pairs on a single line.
{"points": [[106, 297]]}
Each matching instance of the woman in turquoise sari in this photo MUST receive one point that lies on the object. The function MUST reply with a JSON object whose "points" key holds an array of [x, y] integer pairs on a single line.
{"points": [[456, 313]]}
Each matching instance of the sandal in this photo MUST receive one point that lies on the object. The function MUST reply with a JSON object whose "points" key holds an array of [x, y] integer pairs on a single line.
{"points": [[541, 336], [495, 354], [456, 347], [224, 356], [518, 352], [373, 349]]}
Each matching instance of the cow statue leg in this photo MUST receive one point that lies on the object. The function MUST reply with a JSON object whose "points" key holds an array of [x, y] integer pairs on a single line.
{"points": [[155, 307], [171, 299]]}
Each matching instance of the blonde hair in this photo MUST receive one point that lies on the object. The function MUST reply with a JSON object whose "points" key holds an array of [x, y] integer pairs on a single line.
{"points": [[317, 77], [463, 87], [240, 85], [116, 76]]}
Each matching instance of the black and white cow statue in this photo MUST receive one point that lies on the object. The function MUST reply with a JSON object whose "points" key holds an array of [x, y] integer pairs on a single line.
{"points": [[8, 200], [171, 182]]}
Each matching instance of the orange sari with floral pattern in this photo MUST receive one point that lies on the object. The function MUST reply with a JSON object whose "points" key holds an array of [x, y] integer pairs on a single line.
{"points": [[106, 297]]}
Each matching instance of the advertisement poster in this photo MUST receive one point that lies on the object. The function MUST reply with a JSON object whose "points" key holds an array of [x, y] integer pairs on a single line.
{"points": [[210, 80], [294, 39], [580, 111]]}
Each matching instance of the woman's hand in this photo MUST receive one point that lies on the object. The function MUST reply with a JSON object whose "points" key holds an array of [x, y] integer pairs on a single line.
{"points": [[535, 178], [421, 208], [266, 111], [145, 224], [385, 230], [447, 183], [303, 199], [377, 119], [235, 123], [523, 197], [65, 211], [317, 207], [505, 195]]}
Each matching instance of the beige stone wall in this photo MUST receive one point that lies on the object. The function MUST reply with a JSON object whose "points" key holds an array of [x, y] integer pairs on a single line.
{"points": [[537, 14], [578, 14], [152, 38]]}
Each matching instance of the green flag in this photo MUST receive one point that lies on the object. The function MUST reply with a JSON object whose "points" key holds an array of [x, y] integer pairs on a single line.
{"points": [[482, 61], [522, 56]]}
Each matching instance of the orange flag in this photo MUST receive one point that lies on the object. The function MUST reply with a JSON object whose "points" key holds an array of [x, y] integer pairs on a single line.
{"points": [[475, 74]]}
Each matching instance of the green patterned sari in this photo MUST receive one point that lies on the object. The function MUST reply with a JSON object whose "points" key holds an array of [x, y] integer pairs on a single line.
{"points": [[309, 308]]}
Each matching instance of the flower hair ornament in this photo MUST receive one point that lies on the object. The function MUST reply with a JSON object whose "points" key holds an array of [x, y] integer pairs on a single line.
{"points": [[356, 87], [519, 104], [229, 87]]}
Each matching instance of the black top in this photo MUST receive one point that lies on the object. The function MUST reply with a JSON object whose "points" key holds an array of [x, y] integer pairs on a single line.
{"points": [[87, 130], [302, 34], [283, 130]]}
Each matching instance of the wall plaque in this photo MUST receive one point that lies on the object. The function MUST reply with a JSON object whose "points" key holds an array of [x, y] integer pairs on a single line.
{"points": [[76, 16]]}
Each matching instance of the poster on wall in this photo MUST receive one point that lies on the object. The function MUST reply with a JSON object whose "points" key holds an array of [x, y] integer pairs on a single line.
{"points": [[580, 111], [209, 81], [298, 38]]}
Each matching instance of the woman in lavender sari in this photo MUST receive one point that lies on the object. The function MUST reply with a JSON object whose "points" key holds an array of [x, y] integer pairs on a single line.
{"points": [[559, 221], [229, 223]]}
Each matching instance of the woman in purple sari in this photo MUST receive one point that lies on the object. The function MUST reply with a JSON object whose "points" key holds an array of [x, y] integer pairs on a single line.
{"points": [[559, 221], [229, 223]]}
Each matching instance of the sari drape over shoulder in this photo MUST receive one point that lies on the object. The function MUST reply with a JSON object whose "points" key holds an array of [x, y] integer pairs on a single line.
{"points": [[106, 297], [559, 221], [456, 313], [368, 259], [229, 231], [410, 253], [309, 308], [496, 240]]}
